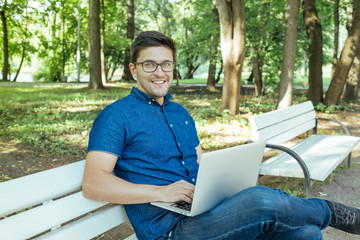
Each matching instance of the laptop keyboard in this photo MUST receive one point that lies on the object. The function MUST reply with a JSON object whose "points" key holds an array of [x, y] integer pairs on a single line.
{"points": [[182, 205]]}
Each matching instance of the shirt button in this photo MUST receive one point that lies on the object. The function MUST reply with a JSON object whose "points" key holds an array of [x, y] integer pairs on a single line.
{"points": [[179, 144], [186, 122], [193, 179], [149, 102], [171, 125], [183, 162]]}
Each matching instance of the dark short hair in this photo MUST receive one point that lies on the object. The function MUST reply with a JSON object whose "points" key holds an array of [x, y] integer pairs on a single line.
{"points": [[150, 39]]}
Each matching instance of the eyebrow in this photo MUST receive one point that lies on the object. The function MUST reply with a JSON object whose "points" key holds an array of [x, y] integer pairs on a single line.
{"points": [[152, 60]]}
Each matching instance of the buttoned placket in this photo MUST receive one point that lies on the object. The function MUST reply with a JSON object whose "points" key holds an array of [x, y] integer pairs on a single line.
{"points": [[182, 162]]}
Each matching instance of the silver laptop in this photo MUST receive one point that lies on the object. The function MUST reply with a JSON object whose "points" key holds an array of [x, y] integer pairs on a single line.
{"points": [[222, 173]]}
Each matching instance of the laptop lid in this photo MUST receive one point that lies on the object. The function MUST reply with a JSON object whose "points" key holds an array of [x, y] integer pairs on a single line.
{"points": [[223, 173]]}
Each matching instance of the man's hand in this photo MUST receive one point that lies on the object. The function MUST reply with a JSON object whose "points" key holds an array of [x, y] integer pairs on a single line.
{"points": [[177, 191]]}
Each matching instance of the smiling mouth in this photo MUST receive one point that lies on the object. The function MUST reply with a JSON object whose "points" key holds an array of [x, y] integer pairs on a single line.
{"points": [[158, 81]]}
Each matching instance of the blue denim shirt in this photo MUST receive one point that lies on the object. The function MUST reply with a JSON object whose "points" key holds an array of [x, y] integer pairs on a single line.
{"points": [[155, 145]]}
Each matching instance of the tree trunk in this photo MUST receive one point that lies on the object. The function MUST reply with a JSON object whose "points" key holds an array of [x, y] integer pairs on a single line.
{"points": [[336, 36], [219, 72], [313, 30], [129, 34], [289, 54], [352, 83], [257, 74], [63, 44], [78, 49], [5, 70], [351, 47], [102, 40], [232, 26], [191, 70], [213, 48], [94, 45], [23, 45]]}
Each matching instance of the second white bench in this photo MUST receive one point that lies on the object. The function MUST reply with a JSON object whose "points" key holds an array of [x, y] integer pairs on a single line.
{"points": [[314, 157]]}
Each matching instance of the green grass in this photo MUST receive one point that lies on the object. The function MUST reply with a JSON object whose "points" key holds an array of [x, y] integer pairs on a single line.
{"points": [[57, 119], [53, 119]]}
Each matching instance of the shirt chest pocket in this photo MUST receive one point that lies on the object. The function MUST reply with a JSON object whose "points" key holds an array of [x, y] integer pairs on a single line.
{"points": [[185, 131]]}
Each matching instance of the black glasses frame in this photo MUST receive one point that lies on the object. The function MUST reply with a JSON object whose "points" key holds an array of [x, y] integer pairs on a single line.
{"points": [[157, 65]]}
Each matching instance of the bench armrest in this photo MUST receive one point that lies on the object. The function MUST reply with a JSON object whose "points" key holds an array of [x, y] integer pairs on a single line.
{"points": [[299, 160], [331, 120]]}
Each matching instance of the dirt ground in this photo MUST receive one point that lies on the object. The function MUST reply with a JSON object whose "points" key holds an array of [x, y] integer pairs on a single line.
{"points": [[17, 160]]}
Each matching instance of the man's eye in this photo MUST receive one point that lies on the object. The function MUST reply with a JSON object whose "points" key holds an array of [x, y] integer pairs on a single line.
{"points": [[167, 64], [149, 64]]}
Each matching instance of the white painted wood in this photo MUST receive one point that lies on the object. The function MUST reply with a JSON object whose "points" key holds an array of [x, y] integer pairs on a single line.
{"points": [[284, 137], [58, 190], [270, 118], [33, 189], [91, 225], [298, 124], [42, 218], [321, 154]]}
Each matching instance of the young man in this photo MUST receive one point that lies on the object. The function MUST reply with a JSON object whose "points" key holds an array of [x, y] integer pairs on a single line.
{"points": [[151, 145]]}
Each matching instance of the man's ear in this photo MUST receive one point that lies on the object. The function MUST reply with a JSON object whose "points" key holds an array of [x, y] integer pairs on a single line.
{"points": [[132, 68]]}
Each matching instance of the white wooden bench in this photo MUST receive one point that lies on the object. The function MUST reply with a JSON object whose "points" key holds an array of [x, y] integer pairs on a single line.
{"points": [[50, 205], [314, 158]]}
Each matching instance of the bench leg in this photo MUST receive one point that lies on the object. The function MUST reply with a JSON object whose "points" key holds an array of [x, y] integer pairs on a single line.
{"points": [[301, 163], [349, 160]]}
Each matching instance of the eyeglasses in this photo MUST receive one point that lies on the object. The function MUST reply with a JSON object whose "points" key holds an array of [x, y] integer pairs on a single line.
{"points": [[151, 66]]}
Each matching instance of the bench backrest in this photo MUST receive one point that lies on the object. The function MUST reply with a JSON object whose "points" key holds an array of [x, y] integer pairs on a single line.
{"points": [[49, 200], [279, 126]]}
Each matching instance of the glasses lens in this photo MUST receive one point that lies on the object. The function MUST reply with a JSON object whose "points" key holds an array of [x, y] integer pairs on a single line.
{"points": [[167, 66], [149, 66]]}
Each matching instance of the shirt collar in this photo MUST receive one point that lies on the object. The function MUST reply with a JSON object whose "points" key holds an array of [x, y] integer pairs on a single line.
{"points": [[140, 95]]}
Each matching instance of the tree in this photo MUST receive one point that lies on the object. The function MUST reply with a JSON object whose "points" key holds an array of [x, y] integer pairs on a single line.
{"points": [[24, 44], [214, 39], [6, 66], [78, 45], [102, 43], [196, 29], [352, 83], [130, 34], [289, 53], [57, 37], [336, 35], [353, 80], [233, 43], [264, 33], [351, 47], [94, 45], [314, 33]]}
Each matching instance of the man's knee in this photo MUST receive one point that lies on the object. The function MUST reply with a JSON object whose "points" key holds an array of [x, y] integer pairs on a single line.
{"points": [[310, 232]]}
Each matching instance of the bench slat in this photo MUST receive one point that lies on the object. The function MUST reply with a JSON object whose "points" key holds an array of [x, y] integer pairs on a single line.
{"points": [[287, 129], [322, 154], [33, 189], [270, 118], [91, 225], [39, 219]]}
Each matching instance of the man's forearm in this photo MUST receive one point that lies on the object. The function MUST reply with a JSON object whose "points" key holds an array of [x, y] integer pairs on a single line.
{"points": [[109, 188]]}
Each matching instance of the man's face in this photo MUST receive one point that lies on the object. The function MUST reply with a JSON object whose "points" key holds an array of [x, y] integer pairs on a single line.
{"points": [[157, 83]]}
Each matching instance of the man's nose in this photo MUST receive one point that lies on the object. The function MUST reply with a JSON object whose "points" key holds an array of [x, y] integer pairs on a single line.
{"points": [[159, 71]]}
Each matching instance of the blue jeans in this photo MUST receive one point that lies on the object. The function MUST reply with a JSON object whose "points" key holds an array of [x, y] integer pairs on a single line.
{"points": [[257, 213]]}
